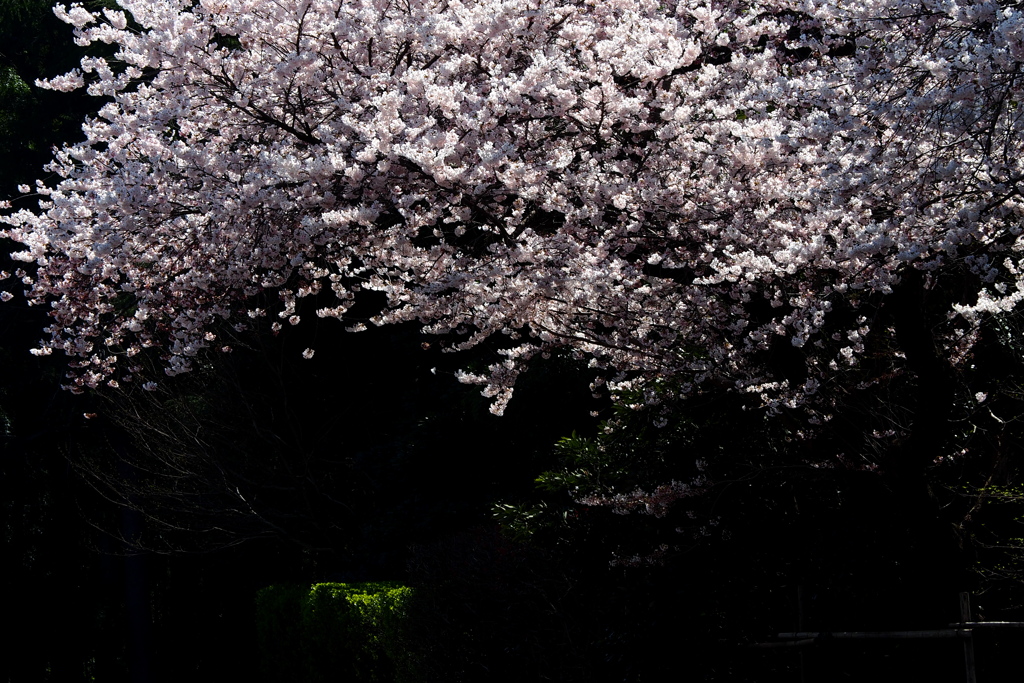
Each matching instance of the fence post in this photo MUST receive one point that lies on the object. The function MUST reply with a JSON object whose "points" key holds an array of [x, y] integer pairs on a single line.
{"points": [[800, 627], [965, 618]]}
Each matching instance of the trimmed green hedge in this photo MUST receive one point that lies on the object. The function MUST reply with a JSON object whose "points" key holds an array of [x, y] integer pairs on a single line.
{"points": [[333, 632]]}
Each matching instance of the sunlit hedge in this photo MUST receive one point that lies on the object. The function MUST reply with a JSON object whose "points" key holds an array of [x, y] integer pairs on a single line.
{"points": [[332, 631]]}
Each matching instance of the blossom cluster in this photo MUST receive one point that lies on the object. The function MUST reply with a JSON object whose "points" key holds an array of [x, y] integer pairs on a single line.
{"points": [[656, 503], [669, 188]]}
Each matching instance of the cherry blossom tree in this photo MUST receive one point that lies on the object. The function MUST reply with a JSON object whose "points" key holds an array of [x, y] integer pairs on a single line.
{"points": [[752, 194]]}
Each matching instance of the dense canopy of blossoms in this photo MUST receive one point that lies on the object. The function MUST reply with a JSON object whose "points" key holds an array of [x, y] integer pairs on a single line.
{"points": [[671, 188]]}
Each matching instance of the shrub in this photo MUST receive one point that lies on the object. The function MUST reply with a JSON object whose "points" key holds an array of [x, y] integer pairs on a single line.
{"points": [[332, 631]]}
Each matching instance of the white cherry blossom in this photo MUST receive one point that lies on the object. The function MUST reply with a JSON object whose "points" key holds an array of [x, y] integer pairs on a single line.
{"points": [[668, 188]]}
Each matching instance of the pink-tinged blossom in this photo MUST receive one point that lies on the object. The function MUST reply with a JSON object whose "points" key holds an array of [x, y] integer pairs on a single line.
{"points": [[667, 188], [657, 502]]}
